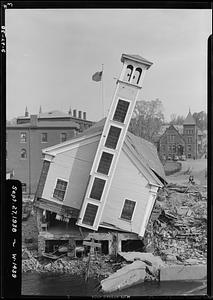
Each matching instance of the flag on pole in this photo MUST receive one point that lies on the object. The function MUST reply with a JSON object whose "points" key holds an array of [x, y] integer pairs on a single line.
{"points": [[97, 76]]}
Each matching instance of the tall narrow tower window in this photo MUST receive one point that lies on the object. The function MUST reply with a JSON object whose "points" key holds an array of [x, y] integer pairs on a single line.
{"points": [[128, 73], [90, 214], [97, 188], [136, 76], [121, 111], [112, 138], [105, 163]]}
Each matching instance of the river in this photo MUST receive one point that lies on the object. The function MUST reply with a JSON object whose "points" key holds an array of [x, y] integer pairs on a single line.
{"points": [[64, 285]]}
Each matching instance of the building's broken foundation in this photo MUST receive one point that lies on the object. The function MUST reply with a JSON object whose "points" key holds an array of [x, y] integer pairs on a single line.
{"points": [[54, 233]]}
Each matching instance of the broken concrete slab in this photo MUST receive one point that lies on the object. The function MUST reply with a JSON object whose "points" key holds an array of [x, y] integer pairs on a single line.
{"points": [[156, 261], [182, 272], [129, 275]]}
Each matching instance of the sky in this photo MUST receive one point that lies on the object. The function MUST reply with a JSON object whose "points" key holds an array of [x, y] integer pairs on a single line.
{"points": [[52, 55]]}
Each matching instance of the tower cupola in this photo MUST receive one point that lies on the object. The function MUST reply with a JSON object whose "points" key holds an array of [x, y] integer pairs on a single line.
{"points": [[134, 69]]}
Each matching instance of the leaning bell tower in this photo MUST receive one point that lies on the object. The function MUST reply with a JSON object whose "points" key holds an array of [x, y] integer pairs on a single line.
{"points": [[114, 132]]}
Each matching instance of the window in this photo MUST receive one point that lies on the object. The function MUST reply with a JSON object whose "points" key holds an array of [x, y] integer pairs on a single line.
{"points": [[170, 148], [136, 76], [105, 162], [44, 137], [23, 137], [23, 153], [190, 140], [121, 111], [189, 147], [128, 209], [128, 73], [174, 148], [63, 137], [113, 136], [97, 188], [90, 214], [60, 189], [24, 187]]}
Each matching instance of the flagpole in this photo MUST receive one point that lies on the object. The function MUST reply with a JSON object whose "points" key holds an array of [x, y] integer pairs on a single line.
{"points": [[102, 90]]}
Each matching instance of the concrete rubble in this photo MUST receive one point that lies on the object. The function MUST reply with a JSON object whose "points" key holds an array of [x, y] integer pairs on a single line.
{"points": [[129, 275], [175, 243], [177, 229]]}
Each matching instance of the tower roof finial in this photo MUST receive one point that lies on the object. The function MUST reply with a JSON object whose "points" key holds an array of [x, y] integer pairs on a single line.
{"points": [[40, 110], [26, 114], [70, 111]]}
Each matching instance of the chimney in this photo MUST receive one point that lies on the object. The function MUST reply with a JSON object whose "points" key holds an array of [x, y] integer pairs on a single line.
{"points": [[79, 114], [33, 120], [84, 115], [74, 113], [26, 114]]}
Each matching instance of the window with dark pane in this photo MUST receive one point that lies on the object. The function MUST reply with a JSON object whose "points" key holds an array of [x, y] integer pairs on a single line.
{"points": [[24, 187], [128, 209], [97, 188], [113, 136], [63, 137], [42, 179], [60, 189], [121, 111], [90, 214], [105, 163]]}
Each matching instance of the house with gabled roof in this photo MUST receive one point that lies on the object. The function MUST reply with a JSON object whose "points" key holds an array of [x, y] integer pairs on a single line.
{"points": [[103, 182]]}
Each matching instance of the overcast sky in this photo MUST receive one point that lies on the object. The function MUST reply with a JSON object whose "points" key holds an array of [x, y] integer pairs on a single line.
{"points": [[52, 55]]}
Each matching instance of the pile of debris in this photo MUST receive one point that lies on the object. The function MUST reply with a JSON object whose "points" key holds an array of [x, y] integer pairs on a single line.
{"points": [[101, 267], [177, 229]]}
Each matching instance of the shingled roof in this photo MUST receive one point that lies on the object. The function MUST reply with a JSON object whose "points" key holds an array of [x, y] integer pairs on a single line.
{"points": [[189, 120], [143, 149]]}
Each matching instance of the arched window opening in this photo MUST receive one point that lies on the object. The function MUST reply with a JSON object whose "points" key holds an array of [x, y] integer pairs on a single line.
{"points": [[23, 153], [136, 76], [128, 73]]}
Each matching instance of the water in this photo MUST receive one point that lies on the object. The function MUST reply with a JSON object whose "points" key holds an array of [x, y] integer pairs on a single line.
{"points": [[65, 284]]}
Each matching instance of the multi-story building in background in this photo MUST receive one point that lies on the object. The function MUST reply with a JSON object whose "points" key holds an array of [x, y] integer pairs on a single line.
{"points": [[30, 134], [176, 140]]}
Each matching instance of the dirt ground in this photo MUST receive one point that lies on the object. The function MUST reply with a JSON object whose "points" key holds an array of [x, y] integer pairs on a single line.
{"points": [[197, 168]]}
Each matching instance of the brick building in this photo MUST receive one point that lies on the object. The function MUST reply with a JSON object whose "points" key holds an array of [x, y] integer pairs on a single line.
{"points": [[177, 140], [30, 134]]}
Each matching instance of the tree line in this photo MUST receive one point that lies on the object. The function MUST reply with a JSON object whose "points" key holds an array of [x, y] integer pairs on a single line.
{"points": [[148, 117]]}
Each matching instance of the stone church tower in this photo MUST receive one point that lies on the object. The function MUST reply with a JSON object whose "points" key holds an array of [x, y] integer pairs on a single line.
{"points": [[190, 136]]}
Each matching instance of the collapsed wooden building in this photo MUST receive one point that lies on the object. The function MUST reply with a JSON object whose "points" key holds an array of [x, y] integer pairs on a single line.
{"points": [[103, 183]]}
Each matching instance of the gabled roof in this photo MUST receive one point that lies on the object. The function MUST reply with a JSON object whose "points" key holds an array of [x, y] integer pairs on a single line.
{"points": [[137, 58], [189, 120], [147, 153], [174, 128], [144, 150]]}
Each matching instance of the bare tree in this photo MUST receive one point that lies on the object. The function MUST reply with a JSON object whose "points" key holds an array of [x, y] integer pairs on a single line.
{"points": [[176, 120], [147, 119]]}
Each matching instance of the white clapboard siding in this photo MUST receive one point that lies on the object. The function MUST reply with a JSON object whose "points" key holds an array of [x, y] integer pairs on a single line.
{"points": [[74, 166], [129, 184]]}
